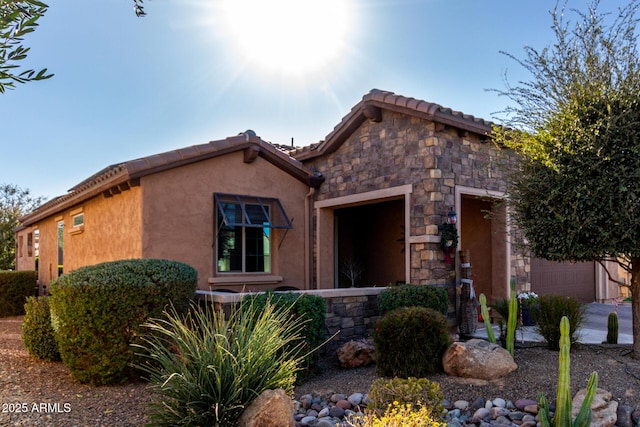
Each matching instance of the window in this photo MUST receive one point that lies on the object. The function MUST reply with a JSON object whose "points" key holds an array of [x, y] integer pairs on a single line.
{"points": [[78, 220], [243, 238], [60, 247], [29, 244]]}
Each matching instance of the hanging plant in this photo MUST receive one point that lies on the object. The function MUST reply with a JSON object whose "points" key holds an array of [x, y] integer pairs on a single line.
{"points": [[449, 241]]}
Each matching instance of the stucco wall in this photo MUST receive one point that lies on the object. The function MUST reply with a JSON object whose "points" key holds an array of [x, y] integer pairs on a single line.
{"points": [[433, 160], [178, 217], [111, 231]]}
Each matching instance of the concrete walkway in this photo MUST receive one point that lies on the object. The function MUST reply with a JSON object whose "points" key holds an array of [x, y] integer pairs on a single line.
{"points": [[593, 331]]}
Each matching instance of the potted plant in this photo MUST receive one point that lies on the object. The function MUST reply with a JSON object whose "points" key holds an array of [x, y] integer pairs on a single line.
{"points": [[529, 304]]}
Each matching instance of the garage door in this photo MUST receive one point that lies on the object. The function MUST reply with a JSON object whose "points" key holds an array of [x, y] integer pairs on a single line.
{"points": [[563, 278]]}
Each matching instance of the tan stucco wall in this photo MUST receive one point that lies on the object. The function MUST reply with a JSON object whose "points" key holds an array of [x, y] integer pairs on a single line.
{"points": [[112, 230], [178, 217], [25, 257]]}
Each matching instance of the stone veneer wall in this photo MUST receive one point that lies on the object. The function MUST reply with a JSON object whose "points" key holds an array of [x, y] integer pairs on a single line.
{"points": [[434, 159], [352, 312]]}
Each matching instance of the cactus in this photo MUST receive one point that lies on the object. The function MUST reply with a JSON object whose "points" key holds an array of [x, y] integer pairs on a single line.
{"points": [[512, 321], [485, 317], [563, 400], [612, 328]]}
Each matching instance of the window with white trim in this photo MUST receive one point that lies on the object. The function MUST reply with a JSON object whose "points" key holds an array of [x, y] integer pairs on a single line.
{"points": [[244, 228], [78, 220]]}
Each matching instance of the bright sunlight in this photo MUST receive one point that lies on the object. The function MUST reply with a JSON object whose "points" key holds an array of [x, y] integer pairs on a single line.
{"points": [[288, 37]]}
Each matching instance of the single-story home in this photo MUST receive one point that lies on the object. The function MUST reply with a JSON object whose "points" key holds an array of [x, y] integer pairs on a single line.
{"points": [[364, 207]]}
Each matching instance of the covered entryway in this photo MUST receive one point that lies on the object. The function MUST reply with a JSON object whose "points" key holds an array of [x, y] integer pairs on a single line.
{"points": [[370, 244], [483, 234], [576, 280]]}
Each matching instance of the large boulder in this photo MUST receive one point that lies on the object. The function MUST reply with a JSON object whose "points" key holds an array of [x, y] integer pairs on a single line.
{"points": [[272, 408], [356, 353], [478, 359], [604, 411]]}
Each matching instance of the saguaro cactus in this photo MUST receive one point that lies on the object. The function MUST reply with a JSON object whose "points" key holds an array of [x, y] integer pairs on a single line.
{"points": [[485, 317], [563, 400], [612, 328]]}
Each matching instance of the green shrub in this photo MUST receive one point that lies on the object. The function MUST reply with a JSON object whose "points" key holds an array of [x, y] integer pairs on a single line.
{"points": [[395, 416], [410, 342], [552, 309], [428, 296], [37, 333], [207, 369], [97, 312], [308, 310], [15, 287], [418, 392]]}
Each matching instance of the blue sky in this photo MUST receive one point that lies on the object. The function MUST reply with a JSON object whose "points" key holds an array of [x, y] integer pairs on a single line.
{"points": [[126, 87]]}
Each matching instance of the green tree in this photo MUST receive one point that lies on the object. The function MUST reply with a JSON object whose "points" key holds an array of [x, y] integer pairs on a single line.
{"points": [[17, 19], [14, 202], [575, 194]]}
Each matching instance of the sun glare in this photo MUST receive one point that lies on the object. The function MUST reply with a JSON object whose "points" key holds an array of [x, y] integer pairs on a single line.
{"points": [[289, 37]]}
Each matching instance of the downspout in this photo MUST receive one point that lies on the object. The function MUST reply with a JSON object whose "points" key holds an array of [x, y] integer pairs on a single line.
{"points": [[308, 243]]}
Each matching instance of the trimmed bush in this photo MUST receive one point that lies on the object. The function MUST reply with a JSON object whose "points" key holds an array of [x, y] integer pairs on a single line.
{"points": [[15, 287], [428, 296], [97, 312], [552, 309], [207, 369], [37, 333], [410, 342], [417, 392], [307, 310]]}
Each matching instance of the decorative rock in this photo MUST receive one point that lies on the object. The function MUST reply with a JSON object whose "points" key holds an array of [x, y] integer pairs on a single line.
{"points": [[481, 413], [337, 397], [498, 412], [323, 413], [521, 403], [272, 408], [478, 403], [477, 358], [532, 409], [312, 413], [355, 399], [604, 410], [336, 411], [325, 423], [461, 404], [308, 421], [488, 404], [500, 403], [516, 416], [356, 353], [344, 404]]}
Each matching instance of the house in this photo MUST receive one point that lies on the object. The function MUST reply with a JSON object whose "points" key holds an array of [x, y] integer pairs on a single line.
{"points": [[365, 206]]}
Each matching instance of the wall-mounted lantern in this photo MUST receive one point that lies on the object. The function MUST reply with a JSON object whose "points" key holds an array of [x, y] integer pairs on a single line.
{"points": [[449, 236]]}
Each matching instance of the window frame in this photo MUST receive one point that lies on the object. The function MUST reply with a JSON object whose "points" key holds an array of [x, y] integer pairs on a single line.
{"points": [[270, 215]]}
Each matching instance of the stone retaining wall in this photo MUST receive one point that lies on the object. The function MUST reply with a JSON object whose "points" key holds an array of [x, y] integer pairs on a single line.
{"points": [[351, 312]]}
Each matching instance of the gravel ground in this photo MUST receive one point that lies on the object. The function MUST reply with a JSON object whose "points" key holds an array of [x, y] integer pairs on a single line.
{"points": [[34, 393]]}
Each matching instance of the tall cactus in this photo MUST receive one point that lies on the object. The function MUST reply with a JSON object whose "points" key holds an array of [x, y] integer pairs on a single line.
{"points": [[485, 316], [563, 400], [512, 321], [612, 328]]}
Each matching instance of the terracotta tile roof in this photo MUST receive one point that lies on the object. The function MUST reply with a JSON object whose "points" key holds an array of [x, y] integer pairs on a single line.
{"points": [[129, 173], [369, 108]]}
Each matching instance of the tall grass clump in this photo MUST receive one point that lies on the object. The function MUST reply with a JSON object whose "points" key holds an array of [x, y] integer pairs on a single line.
{"points": [[206, 369], [552, 309]]}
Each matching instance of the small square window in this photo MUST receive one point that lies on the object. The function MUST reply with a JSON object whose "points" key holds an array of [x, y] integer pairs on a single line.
{"points": [[78, 220]]}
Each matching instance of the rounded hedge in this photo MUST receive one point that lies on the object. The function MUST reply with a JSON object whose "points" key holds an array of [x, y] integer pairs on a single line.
{"points": [[97, 312], [410, 342], [428, 296]]}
